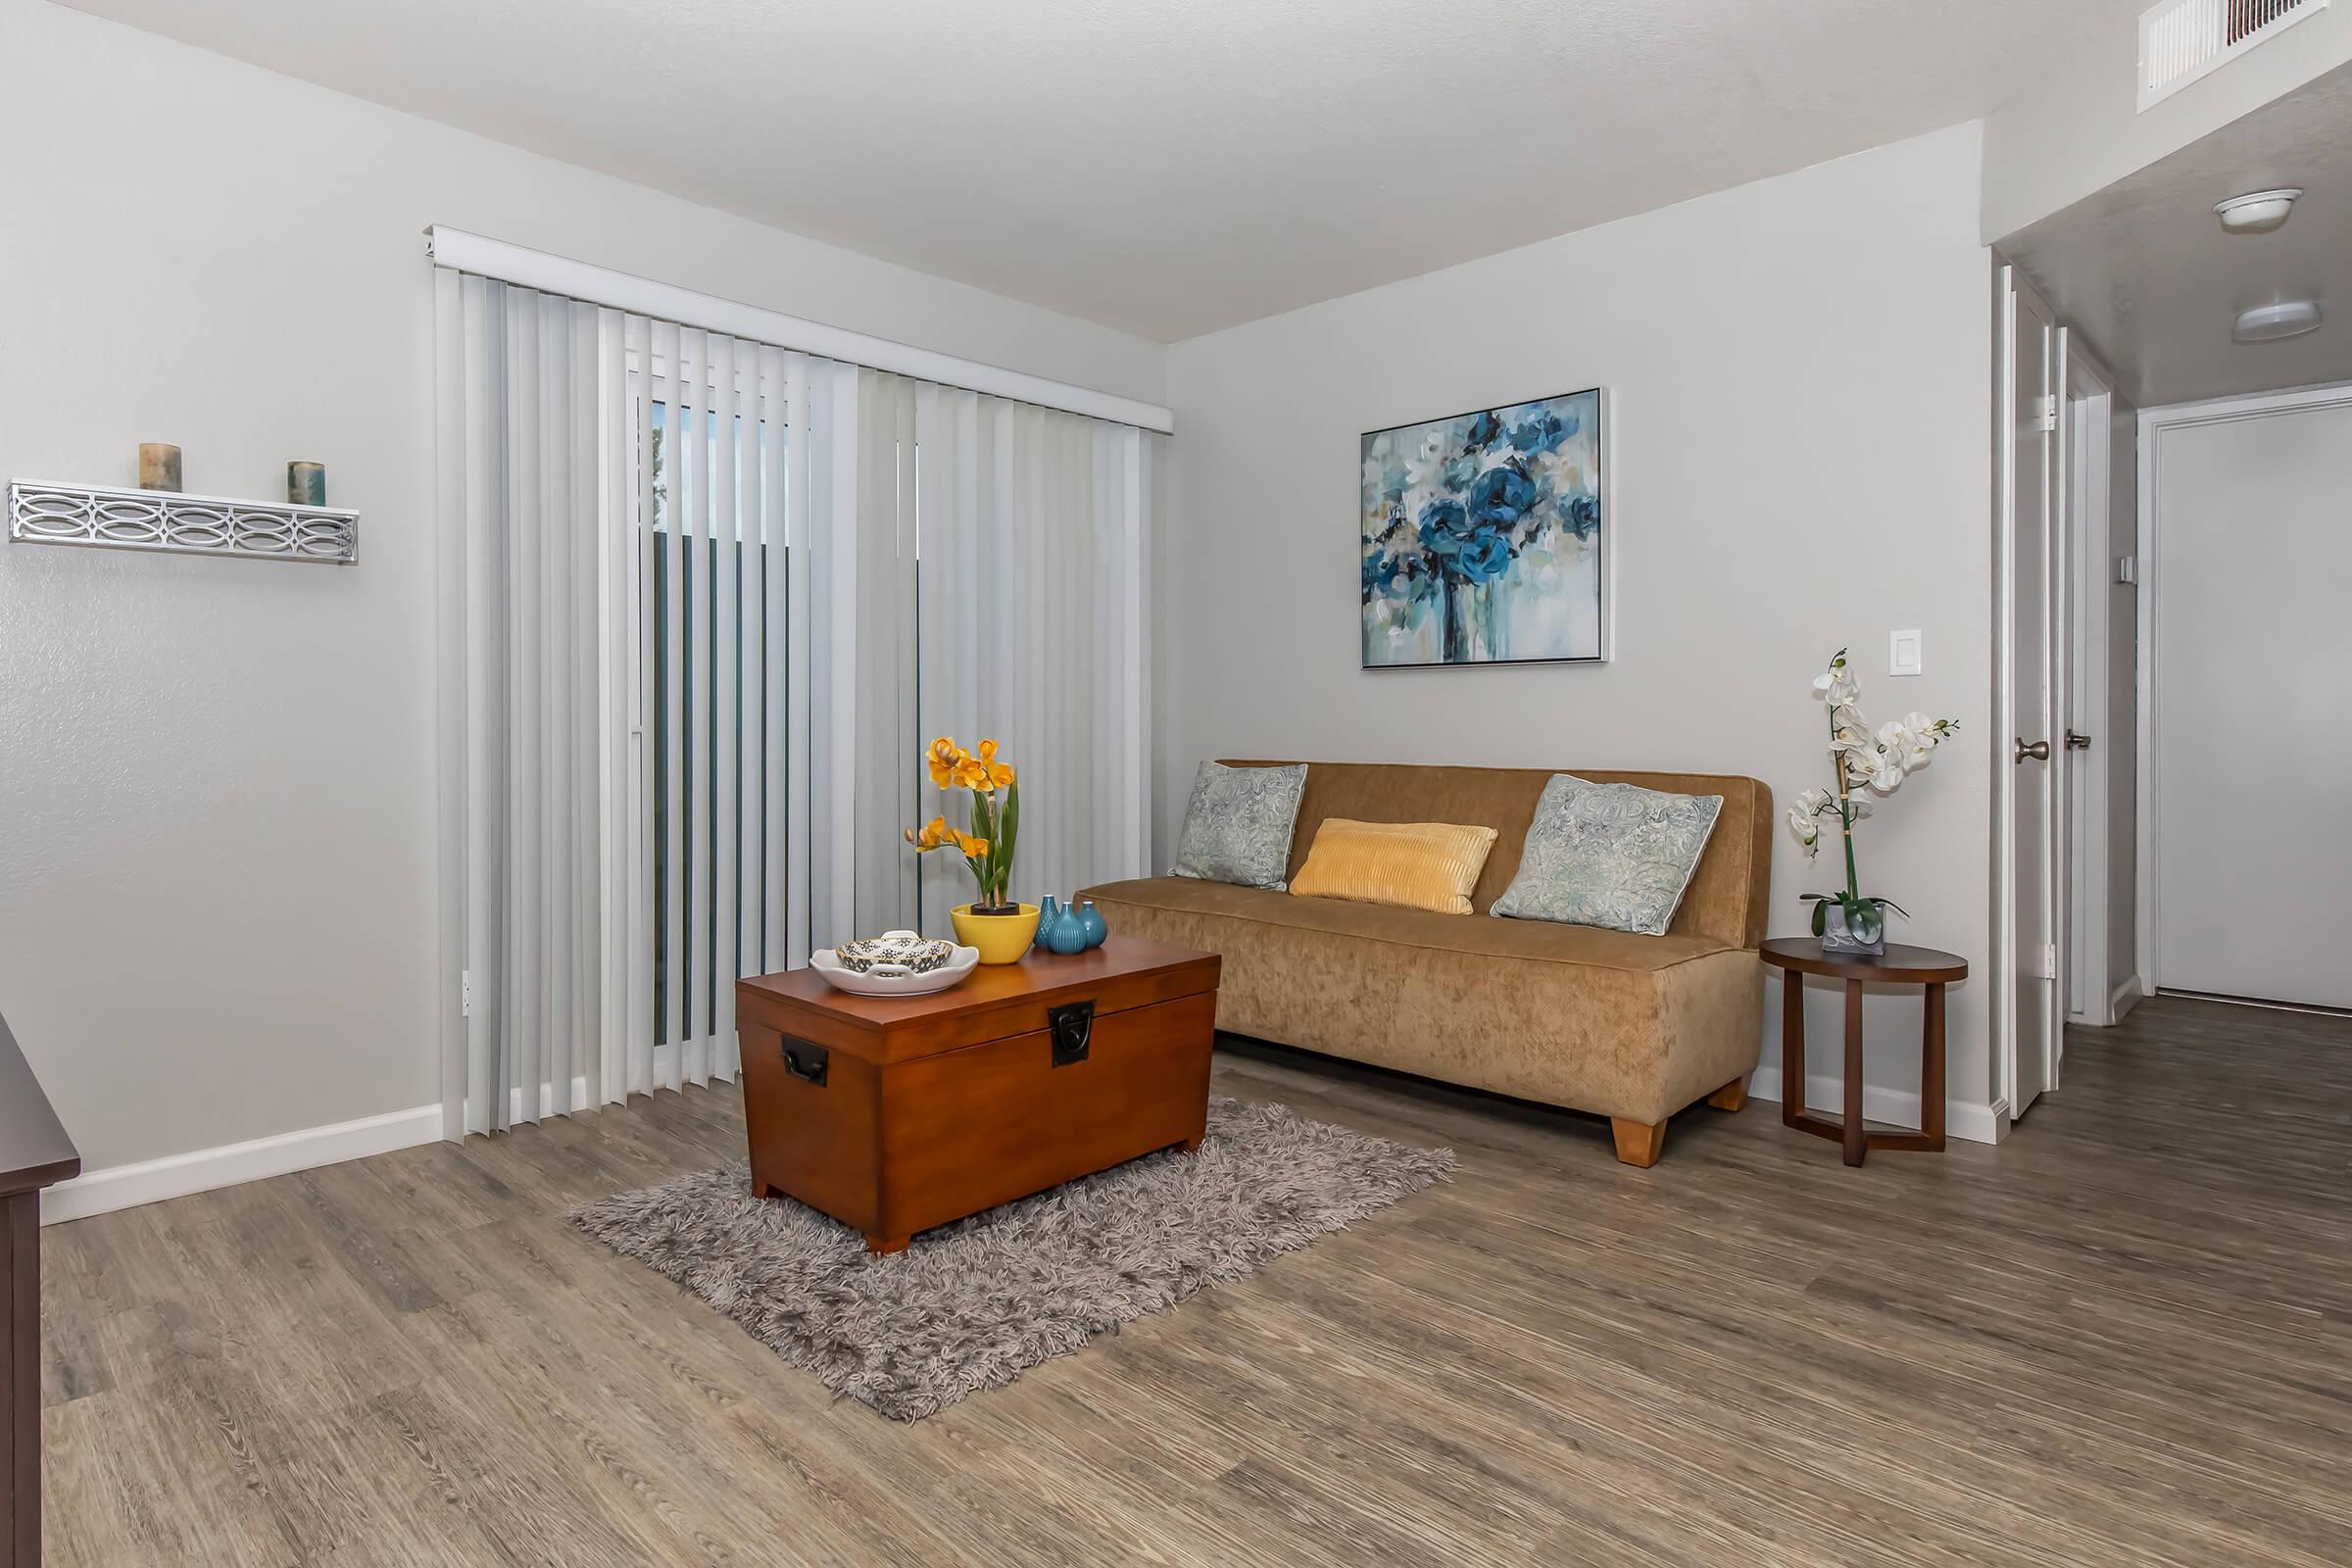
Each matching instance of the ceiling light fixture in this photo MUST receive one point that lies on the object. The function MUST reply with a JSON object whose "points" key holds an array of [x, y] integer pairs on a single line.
{"points": [[2257, 211], [2267, 323]]}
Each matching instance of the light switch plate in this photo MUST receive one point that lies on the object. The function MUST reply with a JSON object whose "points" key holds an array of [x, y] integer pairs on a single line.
{"points": [[1902, 652]]}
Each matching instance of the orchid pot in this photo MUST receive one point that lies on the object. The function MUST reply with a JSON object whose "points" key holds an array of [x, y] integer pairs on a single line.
{"points": [[1001, 928], [1003, 937], [1868, 762], [1859, 926]]}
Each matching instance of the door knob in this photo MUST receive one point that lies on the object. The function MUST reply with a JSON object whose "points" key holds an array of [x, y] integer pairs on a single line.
{"points": [[2039, 750], [2077, 743]]}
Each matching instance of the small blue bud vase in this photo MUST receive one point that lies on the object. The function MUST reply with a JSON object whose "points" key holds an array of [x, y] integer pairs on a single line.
{"points": [[1049, 910], [1091, 918], [1067, 933]]}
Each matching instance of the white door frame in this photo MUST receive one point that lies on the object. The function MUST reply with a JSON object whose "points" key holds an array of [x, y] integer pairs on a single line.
{"points": [[2153, 423], [2010, 283], [2085, 455]]}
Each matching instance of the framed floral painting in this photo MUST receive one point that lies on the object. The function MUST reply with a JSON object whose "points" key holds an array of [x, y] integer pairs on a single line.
{"points": [[1486, 537]]}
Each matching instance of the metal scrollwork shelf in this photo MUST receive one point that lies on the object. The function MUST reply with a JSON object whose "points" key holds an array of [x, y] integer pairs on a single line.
{"points": [[185, 525]]}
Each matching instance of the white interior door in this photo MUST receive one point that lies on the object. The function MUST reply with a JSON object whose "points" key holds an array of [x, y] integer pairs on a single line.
{"points": [[2252, 518], [2030, 595], [2086, 686]]}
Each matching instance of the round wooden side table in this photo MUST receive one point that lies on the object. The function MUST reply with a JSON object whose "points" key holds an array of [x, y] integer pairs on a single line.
{"points": [[1798, 957]]}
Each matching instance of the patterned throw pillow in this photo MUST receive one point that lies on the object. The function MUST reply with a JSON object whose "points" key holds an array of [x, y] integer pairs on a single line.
{"points": [[1236, 827], [1609, 854]]}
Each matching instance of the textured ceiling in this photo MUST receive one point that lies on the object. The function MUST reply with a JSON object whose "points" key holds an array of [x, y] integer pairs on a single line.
{"points": [[2143, 270], [1169, 166]]}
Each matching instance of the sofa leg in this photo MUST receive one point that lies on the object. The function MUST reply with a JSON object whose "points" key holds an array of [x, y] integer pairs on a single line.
{"points": [[1730, 1096], [1638, 1143]]}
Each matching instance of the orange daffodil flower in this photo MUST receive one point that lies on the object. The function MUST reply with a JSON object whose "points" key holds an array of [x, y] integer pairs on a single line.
{"points": [[999, 775], [937, 835], [996, 812], [954, 767]]}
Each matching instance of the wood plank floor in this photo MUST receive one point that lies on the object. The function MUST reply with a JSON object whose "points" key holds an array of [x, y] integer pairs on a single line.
{"points": [[2121, 1337]]}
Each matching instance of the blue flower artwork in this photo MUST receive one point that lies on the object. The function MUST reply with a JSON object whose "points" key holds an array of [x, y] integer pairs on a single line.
{"points": [[1484, 536]]}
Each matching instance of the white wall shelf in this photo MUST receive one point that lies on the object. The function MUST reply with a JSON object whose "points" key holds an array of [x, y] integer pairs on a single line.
{"points": [[179, 524]]}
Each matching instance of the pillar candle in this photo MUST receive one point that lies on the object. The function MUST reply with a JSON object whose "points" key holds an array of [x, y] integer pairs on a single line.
{"points": [[159, 466], [306, 483]]}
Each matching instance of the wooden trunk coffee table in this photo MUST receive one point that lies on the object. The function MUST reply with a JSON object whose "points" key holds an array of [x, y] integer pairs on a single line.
{"points": [[896, 1114]]}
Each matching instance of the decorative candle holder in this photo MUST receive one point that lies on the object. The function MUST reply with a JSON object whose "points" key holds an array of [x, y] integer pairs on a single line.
{"points": [[159, 467], [306, 484]]}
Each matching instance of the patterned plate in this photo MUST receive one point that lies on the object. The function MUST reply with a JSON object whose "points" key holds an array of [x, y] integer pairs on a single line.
{"points": [[889, 980]]}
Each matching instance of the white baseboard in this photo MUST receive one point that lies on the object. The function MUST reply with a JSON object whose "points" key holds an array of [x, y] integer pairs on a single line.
{"points": [[2131, 994], [201, 1170], [1973, 1120]]}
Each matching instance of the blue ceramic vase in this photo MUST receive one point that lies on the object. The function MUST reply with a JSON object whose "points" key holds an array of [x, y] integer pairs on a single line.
{"points": [[1061, 930], [1091, 919]]}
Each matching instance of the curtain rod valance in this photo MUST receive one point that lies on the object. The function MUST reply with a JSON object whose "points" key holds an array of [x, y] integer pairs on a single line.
{"points": [[460, 251]]}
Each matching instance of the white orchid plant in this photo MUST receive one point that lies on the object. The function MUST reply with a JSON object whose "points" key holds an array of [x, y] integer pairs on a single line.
{"points": [[1866, 761]]}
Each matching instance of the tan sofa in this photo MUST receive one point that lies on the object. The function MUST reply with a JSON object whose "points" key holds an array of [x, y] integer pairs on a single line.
{"points": [[1633, 1028]]}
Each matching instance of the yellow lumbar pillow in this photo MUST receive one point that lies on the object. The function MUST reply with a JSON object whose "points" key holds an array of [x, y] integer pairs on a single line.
{"points": [[1414, 866]]}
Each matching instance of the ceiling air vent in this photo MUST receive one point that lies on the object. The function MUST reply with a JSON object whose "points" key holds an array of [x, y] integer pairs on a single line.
{"points": [[2182, 41]]}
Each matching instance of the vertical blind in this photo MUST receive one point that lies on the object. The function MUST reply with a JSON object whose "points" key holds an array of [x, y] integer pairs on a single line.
{"points": [[702, 601], [1034, 628], [528, 720]]}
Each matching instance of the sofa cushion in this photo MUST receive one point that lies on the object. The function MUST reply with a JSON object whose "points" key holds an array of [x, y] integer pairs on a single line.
{"points": [[1237, 824], [1534, 940], [1410, 866], [1609, 854], [1727, 895]]}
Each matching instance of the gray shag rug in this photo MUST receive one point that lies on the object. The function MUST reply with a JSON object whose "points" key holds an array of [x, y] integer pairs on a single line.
{"points": [[975, 1305]]}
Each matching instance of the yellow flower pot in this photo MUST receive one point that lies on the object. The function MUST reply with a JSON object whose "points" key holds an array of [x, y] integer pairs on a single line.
{"points": [[1000, 938]]}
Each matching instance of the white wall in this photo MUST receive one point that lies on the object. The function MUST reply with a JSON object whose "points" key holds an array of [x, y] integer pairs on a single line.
{"points": [[1800, 382], [217, 859]]}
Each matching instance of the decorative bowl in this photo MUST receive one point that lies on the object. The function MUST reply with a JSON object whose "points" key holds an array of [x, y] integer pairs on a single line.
{"points": [[904, 950], [1000, 938], [891, 979]]}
